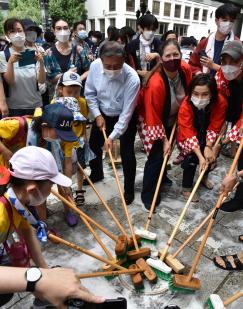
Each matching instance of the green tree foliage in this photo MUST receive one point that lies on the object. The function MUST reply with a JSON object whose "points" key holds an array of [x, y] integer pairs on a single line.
{"points": [[25, 9], [70, 10]]}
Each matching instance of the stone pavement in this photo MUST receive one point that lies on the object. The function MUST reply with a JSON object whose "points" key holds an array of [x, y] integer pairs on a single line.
{"points": [[223, 239]]}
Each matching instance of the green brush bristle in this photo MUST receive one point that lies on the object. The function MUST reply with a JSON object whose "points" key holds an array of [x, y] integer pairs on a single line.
{"points": [[109, 278], [148, 241], [174, 288], [162, 275], [140, 290], [209, 304]]}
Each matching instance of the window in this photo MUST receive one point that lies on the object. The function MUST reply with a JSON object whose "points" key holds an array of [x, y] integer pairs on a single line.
{"points": [[156, 7], [131, 5], [163, 27], [177, 11], [144, 2], [187, 12], [205, 15], [132, 23], [112, 5], [112, 22], [92, 24], [181, 30], [167, 8], [196, 14], [102, 25]]}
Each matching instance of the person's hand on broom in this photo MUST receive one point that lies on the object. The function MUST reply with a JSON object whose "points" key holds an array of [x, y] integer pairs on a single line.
{"points": [[166, 147], [100, 122]]}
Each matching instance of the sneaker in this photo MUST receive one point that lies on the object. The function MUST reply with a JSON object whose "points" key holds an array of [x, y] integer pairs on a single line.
{"points": [[146, 208], [41, 304], [129, 198], [232, 205], [79, 199], [186, 195], [93, 179], [71, 218]]}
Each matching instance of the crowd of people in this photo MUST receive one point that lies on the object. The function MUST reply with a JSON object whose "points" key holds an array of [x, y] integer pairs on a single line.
{"points": [[128, 83]]}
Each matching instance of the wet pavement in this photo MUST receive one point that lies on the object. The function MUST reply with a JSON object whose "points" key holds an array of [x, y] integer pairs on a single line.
{"points": [[223, 240]]}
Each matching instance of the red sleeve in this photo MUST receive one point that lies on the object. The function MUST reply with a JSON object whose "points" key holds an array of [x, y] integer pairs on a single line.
{"points": [[185, 121], [217, 119], [187, 134], [153, 101], [194, 60]]}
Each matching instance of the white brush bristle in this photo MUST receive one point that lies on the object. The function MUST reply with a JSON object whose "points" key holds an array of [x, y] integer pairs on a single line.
{"points": [[158, 264], [216, 301], [145, 234]]}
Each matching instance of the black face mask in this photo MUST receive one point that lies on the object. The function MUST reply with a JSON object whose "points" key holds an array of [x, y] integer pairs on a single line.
{"points": [[172, 65]]}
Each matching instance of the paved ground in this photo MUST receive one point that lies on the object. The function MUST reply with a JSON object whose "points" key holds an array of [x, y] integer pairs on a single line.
{"points": [[223, 239]]}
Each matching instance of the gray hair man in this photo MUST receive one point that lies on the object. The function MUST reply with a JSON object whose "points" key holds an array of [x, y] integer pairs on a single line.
{"points": [[111, 92]]}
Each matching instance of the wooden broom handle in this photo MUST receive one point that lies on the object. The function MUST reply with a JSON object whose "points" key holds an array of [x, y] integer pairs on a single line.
{"points": [[84, 251], [104, 203], [233, 298], [81, 213], [110, 273], [92, 231], [166, 158], [182, 215], [211, 222], [121, 194], [197, 229]]}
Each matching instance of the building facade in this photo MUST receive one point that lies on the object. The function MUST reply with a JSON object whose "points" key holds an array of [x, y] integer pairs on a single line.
{"points": [[184, 16]]}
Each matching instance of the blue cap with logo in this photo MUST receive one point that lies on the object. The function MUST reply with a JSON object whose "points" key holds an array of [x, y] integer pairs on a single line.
{"points": [[60, 118]]}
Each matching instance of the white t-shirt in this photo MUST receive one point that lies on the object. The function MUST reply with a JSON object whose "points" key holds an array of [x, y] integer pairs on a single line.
{"points": [[24, 93]]}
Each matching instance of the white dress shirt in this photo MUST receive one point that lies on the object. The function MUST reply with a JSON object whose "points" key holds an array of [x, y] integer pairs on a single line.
{"points": [[112, 96]]}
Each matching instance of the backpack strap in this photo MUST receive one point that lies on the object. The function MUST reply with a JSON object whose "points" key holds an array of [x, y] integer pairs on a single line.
{"points": [[8, 207], [5, 84]]}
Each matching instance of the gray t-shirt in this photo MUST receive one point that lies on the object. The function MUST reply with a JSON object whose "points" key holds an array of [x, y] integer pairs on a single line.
{"points": [[24, 93]]}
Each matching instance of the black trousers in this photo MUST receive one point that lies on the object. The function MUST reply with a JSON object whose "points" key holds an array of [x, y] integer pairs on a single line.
{"points": [[21, 112], [189, 166], [128, 158], [152, 170], [239, 190]]}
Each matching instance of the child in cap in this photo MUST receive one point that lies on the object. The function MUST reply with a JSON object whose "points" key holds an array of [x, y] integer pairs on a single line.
{"points": [[68, 93], [32, 172], [26, 183], [54, 123]]}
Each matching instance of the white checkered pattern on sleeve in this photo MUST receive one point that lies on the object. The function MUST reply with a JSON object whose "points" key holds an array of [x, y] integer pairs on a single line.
{"points": [[188, 145], [211, 136], [234, 134], [149, 134]]}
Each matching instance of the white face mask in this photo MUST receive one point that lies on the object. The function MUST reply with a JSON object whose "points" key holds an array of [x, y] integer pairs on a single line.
{"points": [[63, 36], [17, 39], [31, 36], [94, 40], [200, 103], [231, 71], [225, 27], [38, 199], [148, 35], [112, 73]]}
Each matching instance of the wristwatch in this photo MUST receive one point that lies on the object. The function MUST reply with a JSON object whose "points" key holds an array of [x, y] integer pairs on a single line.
{"points": [[238, 178], [32, 275]]}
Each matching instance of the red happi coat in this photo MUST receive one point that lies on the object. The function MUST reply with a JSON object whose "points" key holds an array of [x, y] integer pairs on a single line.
{"points": [[151, 105], [187, 133], [223, 87]]}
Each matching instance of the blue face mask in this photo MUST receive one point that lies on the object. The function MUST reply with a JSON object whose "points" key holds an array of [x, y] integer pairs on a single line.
{"points": [[82, 34]]}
